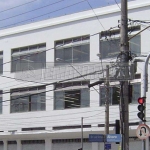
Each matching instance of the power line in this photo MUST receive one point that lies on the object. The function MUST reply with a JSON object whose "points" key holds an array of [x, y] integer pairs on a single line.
{"points": [[64, 119], [43, 14], [46, 85], [117, 4], [17, 6], [95, 14], [31, 10]]}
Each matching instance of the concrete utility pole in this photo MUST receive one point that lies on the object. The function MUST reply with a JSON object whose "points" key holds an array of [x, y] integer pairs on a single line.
{"points": [[124, 47]]}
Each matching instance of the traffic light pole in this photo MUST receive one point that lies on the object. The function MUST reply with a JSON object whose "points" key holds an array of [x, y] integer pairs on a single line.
{"points": [[145, 89]]}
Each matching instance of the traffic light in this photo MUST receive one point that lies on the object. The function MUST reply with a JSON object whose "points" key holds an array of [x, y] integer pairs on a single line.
{"points": [[141, 108]]}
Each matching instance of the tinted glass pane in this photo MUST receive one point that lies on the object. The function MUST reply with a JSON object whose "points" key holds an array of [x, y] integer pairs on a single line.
{"points": [[59, 53], [38, 102], [24, 63], [109, 48], [135, 45], [136, 88], [68, 55], [72, 99], [85, 98], [1, 66], [29, 62], [19, 105], [14, 63], [1, 105], [81, 53], [59, 100]]}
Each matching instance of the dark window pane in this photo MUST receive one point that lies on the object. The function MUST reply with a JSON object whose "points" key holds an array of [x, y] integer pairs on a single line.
{"points": [[85, 97], [77, 51], [38, 102], [81, 53], [24, 102], [1, 104], [1, 65], [72, 99], [29, 61], [59, 54], [135, 45], [136, 92], [115, 94], [109, 48], [67, 55], [19, 104], [59, 100], [14, 63]]}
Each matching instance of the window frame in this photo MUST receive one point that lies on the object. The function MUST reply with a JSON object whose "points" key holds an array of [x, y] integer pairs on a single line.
{"points": [[115, 39], [24, 52], [71, 88], [116, 84], [71, 44], [27, 94]]}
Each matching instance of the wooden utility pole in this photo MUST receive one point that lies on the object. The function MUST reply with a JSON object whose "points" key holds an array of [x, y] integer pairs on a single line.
{"points": [[81, 133], [124, 47], [107, 102]]}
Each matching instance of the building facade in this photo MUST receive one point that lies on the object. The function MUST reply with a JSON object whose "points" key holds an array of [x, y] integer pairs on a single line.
{"points": [[45, 72]]}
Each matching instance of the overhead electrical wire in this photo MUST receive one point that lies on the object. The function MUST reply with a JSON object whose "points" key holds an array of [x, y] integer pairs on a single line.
{"points": [[64, 119], [95, 14], [31, 10], [18, 6], [42, 15]]}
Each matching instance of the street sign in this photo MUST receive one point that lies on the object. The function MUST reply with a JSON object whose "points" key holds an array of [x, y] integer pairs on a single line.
{"points": [[107, 146], [143, 131], [96, 138], [113, 138]]}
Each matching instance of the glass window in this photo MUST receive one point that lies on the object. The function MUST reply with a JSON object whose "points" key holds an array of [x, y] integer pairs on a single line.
{"points": [[111, 48], [136, 92], [23, 100], [28, 58], [76, 50], [1, 103], [114, 95], [73, 98], [1, 62]]}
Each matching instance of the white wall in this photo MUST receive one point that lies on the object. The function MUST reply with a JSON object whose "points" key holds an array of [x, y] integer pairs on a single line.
{"points": [[80, 26]]}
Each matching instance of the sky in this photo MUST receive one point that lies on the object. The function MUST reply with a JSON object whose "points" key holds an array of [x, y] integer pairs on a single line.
{"points": [[17, 12]]}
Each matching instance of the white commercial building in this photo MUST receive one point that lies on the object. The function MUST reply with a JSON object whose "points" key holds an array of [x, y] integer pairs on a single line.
{"points": [[43, 101]]}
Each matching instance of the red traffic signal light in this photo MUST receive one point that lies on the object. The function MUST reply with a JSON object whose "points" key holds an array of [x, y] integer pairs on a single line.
{"points": [[141, 100], [141, 108]]}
